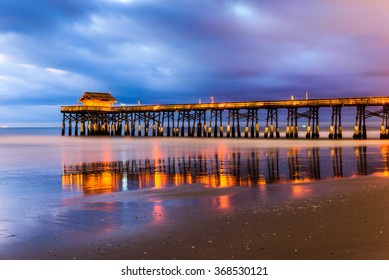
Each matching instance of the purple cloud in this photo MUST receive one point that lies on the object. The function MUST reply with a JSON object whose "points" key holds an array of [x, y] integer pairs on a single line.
{"points": [[175, 51]]}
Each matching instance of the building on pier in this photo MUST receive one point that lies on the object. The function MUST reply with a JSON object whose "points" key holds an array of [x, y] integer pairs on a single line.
{"points": [[104, 99], [98, 116]]}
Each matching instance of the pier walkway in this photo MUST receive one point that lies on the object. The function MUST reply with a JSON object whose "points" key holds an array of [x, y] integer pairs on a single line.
{"points": [[98, 116]]}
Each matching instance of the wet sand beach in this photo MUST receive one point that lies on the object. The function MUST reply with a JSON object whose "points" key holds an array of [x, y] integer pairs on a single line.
{"points": [[348, 221]]}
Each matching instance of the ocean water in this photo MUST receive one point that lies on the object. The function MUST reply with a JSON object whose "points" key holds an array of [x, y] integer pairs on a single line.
{"points": [[54, 189]]}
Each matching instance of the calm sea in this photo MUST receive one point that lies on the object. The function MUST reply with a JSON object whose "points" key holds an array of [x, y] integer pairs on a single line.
{"points": [[53, 188]]}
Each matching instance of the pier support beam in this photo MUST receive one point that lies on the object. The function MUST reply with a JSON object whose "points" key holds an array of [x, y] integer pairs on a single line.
{"points": [[139, 128], [169, 117], [70, 125], [175, 125], [119, 119], [211, 116], [336, 130], [191, 127], [238, 123], [235, 130], [271, 127], [132, 121], [82, 129], [201, 118], [154, 126], [233, 124], [76, 127], [161, 120], [292, 124], [126, 125], [251, 121], [229, 124], [214, 116], [63, 124], [384, 132], [256, 124], [313, 119], [221, 133], [360, 123], [181, 120]]}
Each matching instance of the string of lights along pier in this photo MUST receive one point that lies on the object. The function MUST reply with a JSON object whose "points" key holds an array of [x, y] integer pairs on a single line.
{"points": [[97, 115]]}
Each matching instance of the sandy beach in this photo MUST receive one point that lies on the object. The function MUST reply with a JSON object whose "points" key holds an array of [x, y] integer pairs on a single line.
{"points": [[346, 222]]}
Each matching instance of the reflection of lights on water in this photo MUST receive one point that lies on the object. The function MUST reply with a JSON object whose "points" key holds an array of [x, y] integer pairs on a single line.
{"points": [[223, 169], [385, 159], [300, 191], [102, 183], [222, 202], [159, 214], [224, 181], [160, 180]]}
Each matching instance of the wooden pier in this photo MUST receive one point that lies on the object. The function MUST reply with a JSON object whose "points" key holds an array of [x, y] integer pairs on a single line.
{"points": [[98, 116]]}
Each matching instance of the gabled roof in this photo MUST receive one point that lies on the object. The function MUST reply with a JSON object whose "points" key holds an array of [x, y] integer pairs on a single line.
{"points": [[101, 96]]}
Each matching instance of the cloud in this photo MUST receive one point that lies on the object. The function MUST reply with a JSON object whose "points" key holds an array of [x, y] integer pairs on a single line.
{"points": [[26, 83], [41, 16], [179, 51]]}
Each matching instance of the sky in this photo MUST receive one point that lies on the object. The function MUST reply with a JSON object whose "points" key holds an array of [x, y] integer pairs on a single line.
{"points": [[180, 51]]}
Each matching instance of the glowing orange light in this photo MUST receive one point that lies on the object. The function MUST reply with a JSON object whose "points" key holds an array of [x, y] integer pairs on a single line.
{"points": [[160, 179], [222, 202], [300, 191], [224, 181]]}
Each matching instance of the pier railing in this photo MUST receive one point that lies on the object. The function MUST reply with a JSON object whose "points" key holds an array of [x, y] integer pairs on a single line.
{"points": [[325, 102]]}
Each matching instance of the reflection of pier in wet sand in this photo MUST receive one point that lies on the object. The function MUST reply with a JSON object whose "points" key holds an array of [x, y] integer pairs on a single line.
{"points": [[253, 168]]}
